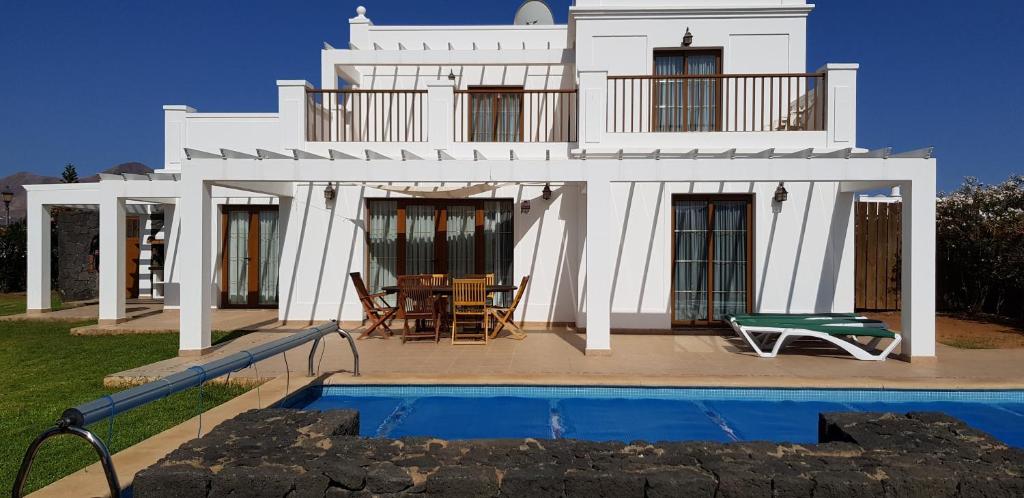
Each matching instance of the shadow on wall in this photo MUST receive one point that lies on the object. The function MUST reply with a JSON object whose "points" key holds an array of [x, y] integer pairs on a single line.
{"points": [[563, 284]]}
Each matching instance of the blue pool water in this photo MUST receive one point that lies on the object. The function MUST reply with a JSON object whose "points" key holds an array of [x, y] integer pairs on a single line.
{"points": [[649, 414]]}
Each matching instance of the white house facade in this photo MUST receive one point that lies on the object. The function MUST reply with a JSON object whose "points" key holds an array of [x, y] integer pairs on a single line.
{"points": [[653, 164]]}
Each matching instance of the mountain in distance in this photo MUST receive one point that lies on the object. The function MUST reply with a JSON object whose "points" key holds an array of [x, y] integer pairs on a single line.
{"points": [[17, 181]]}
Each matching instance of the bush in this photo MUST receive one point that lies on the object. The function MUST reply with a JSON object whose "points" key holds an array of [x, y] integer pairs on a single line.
{"points": [[13, 247], [980, 248]]}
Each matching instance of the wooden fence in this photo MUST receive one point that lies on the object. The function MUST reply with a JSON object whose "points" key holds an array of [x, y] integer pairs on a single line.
{"points": [[878, 245]]}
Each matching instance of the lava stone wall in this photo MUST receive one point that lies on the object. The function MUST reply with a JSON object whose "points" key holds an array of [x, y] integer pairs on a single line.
{"points": [[77, 279], [287, 453]]}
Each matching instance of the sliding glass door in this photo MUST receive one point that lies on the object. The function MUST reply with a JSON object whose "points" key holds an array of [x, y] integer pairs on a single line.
{"points": [[250, 256], [457, 237], [712, 246]]}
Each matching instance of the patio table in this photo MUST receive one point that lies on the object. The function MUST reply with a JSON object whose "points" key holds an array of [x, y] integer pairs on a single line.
{"points": [[446, 290]]}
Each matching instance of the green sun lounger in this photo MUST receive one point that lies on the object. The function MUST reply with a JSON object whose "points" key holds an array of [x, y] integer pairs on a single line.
{"points": [[840, 329]]}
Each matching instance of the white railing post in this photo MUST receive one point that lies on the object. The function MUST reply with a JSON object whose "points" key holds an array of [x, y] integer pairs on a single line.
{"points": [[291, 111], [841, 98], [441, 114], [175, 135], [593, 106]]}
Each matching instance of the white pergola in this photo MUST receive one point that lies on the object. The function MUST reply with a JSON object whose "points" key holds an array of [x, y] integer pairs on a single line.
{"points": [[277, 174]]}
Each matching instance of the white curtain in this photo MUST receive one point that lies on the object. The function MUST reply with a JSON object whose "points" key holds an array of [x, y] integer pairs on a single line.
{"points": [[499, 244], [270, 257], [691, 268], [461, 240], [730, 278], [383, 244], [419, 240], [238, 257]]}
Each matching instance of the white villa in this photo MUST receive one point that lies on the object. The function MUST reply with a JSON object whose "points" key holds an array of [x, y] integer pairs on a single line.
{"points": [[651, 165]]}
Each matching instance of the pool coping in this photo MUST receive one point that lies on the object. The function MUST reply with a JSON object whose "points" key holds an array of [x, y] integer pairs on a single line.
{"points": [[717, 381]]}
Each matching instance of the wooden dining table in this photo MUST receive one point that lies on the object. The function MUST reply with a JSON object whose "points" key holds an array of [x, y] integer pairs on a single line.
{"points": [[446, 290]]}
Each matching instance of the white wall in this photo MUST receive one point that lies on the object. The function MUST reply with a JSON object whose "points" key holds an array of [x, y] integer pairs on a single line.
{"points": [[798, 262]]}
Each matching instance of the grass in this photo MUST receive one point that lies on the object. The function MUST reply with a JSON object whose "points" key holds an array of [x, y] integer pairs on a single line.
{"points": [[970, 343], [14, 303], [46, 370]]}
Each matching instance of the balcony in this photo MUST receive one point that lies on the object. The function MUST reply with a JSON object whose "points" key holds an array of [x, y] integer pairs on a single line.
{"points": [[488, 115], [716, 103], [351, 115]]}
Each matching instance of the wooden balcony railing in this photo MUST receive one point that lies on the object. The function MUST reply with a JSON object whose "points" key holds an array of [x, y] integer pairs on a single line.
{"points": [[350, 115], [515, 115], [716, 102]]}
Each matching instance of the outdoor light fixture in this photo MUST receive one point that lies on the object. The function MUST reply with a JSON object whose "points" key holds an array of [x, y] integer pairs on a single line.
{"points": [[546, 193], [781, 195], [451, 75], [329, 192], [8, 196], [688, 38], [525, 207]]}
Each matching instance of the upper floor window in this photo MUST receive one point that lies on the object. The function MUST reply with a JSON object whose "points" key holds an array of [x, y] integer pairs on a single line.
{"points": [[683, 100], [496, 114]]}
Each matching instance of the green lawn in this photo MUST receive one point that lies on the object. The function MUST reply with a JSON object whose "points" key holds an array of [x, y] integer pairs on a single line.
{"points": [[45, 370], [13, 304]]}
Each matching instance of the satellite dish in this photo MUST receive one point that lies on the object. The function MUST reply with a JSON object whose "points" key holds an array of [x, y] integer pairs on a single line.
{"points": [[534, 12]]}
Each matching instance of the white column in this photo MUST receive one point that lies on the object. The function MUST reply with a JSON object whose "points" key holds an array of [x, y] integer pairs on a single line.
{"points": [[291, 112], [175, 136], [918, 285], [38, 284], [112, 259], [194, 266], [599, 267], [440, 113], [593, 104], [841, 100]]}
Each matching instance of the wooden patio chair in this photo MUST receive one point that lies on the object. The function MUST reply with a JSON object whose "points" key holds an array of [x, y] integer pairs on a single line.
{"points": [[418, 305], [377, 310], [469, 302], [503, 316], [489, 280]]}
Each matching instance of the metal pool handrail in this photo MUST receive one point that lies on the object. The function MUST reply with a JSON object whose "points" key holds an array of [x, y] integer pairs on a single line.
{"points": [[74, 420]]}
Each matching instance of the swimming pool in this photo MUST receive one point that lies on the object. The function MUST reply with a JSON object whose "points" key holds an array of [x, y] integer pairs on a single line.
{"points": [[649, 414]]}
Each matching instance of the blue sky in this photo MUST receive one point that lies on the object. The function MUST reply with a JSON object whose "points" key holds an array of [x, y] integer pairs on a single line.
{"points": [[84, 81]]}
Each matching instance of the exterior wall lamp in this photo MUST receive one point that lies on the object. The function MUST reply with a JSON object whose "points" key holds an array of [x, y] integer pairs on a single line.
{"points": [[546, 193], [451, 75], [329, 192], [7, 197], [781, 195], [525, 207], [688, 38]]}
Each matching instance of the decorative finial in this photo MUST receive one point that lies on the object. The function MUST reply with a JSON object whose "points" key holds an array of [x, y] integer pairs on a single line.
{"points": [[361, 11]]}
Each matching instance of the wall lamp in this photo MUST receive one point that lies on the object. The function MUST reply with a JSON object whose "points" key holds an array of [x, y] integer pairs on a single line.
{"points": [[688, 38], [329, 192], [546, 193], [781, 194], [525, 207], [451, 75]]}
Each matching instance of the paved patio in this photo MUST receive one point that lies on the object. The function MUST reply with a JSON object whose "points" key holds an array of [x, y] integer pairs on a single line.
{"points": [[151, 317], [555, 356]]}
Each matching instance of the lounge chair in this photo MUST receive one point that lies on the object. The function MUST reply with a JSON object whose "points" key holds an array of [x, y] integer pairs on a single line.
{"points": [[841, 329]]}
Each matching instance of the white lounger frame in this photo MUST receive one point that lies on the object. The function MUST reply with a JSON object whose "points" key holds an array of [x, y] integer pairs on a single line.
{"points": [[758, 336]]}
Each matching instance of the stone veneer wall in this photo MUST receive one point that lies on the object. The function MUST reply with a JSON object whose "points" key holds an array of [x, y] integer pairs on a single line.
{"points": [[287, 453], [76, 229]]}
